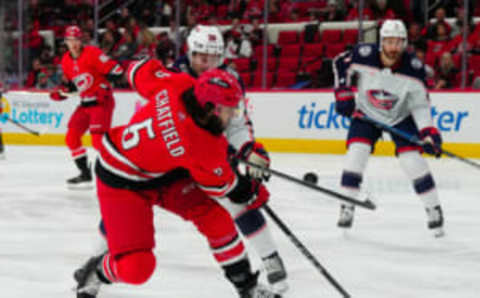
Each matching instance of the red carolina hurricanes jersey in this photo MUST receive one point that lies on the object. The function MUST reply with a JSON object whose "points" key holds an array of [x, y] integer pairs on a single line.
{"points": [[162, 140], [88, 71]]}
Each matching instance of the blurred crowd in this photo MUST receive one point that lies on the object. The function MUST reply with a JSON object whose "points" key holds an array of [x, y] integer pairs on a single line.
{"points": [[127, 33]]}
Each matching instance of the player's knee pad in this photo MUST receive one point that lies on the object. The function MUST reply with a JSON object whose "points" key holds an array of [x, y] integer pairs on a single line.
{"points": [[135, 267], [97, 140], [73, 139], [250, 222], [357, 157]]}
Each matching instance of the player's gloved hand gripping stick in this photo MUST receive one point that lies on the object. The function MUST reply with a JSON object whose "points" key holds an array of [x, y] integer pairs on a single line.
{"points": [[367, 203], [432, 146]]}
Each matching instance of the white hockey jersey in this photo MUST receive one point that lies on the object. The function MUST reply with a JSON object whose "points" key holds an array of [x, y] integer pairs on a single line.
{"points": [[388, 95]]}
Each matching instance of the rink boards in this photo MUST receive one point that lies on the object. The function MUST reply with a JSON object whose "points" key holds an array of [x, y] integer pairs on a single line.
{"points": [[302, 121]]}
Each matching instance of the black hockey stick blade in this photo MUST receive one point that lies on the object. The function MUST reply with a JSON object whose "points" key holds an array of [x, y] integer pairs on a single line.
{"points": [[368, 204], [305, 252], [27, 129], [415, 140]]}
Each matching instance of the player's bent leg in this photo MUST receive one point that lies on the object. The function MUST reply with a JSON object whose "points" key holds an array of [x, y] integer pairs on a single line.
{"points": [[132, 268], [253, 225], [77, 126], [416, 168], [355, 164]]}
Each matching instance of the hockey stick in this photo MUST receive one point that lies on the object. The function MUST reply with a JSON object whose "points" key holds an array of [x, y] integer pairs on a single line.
{"points": [[365, 204], [305, 251], [29, 130], [415, 140]]}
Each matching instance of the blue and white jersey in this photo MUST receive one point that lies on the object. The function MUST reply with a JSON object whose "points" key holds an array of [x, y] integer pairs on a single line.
{"points": [[239, 132], [386, 94]]}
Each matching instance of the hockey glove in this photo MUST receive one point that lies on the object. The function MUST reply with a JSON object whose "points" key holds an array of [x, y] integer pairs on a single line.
{"points": [[344, 101], [60, 93], [432, 141], [260, 196], [255, 153]]}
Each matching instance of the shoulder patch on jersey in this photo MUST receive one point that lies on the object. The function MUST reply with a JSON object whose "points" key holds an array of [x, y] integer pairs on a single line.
{"points": [[416, 63], [104, 58], [365, 51]]}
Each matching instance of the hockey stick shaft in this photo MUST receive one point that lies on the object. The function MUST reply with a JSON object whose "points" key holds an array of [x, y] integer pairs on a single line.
{"points": [[415, 140], [304, 250], [33, 132], [365, 204]]}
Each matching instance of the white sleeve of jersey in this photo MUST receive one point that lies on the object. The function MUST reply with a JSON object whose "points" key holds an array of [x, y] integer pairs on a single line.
{"points": [[240, 131], [419, 105]]}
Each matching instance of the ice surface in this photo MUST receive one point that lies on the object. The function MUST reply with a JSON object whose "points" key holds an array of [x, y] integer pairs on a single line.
{"points": [[46, 231]]}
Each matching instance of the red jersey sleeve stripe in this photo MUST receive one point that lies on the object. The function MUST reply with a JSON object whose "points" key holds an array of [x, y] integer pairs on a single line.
{"points": [[219, 191]]}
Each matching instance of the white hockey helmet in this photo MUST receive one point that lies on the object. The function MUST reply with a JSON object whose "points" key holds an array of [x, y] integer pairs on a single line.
{"points": [[206, 40], [393, 28]]}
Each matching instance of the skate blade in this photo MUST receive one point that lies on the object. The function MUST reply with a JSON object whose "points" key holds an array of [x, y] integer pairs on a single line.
{"points": [[438, 232], [280, 287], [81, 186]]}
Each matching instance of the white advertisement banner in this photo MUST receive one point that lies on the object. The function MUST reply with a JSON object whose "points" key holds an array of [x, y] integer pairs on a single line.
{"points": [[276, 115]]}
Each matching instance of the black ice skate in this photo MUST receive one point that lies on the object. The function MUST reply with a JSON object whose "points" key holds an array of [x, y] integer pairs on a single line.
{"points": [[276, 273], [82, 181], [255, 290], [346, 217], [88, 278], [435, 220], [2, 148]]}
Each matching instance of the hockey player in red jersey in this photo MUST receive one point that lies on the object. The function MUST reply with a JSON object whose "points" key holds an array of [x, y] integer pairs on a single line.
{"points": [[86, 69], [172, 154], [205, 50]]}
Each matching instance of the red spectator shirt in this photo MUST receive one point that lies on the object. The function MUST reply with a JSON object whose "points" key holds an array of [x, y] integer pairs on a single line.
{"points": [[162, 137], [88, 71]]}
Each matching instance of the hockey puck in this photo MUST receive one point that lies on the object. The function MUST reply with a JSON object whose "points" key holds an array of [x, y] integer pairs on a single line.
{"points": [[310, 177]]}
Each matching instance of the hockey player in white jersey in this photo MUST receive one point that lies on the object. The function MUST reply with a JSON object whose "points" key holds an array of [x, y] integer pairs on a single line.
{"points": [[205, 48], [391, 89]]}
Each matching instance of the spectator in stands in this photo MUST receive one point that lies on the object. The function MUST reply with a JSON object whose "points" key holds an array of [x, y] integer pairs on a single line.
{"points": [[112, 27], [237, 46], [127, 47], [124, 17], [132, 26], [87, 38], [163, 13], [43, 81], [430, 30], [146, 42], [446, 72], [415, 37], [108, 44], [381, 11], [254, 32], [165, 50], [353, 15], [420, 53], [441, 33], [254, 8], [36, 68], [333, 12]]}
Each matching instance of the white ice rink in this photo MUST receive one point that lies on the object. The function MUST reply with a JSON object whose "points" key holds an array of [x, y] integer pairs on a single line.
{"points": [[46, 231]]}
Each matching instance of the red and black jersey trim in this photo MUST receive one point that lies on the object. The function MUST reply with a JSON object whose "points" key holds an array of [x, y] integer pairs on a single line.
{"points": [[117, 179]]}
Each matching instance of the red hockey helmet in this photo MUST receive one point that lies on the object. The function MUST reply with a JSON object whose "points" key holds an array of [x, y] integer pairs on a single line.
{"points": [[73, 32], [218, 87]]}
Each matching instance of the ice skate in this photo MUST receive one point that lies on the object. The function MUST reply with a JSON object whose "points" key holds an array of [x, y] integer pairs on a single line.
{"points": [[259, 291], [435, 221], [88, 282], [346, 216], [82, 181], [276, 273]]}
